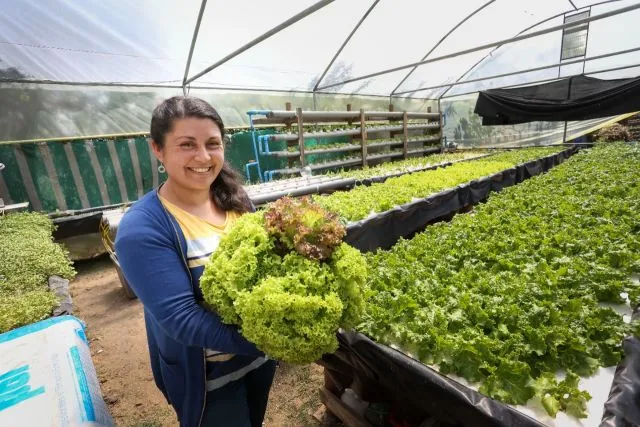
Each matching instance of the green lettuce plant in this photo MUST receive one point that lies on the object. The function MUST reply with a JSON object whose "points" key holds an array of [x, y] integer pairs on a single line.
{"points": [[286, 279]]}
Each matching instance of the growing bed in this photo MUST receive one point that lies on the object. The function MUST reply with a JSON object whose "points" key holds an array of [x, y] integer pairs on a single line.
{"points": [[507, 297]]}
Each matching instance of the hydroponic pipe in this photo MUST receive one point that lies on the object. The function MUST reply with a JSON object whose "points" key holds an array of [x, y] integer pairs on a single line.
{"points": [[286, 154], [348, 115], [425, 150], [386, 144], [290, 183], [317, 166], [346, 148], [294, 137], [385, 155], [399, 128], [351, 162], [301, 191], [350, 132]]}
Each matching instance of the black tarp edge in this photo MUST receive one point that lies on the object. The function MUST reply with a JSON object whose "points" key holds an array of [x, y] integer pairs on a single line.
{"points": [[622, 408], [361, 360]]}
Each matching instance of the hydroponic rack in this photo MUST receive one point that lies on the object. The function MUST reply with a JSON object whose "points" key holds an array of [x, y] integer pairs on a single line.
{"points": [[398, 134]]}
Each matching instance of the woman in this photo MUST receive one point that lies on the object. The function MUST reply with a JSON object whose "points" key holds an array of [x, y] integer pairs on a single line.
{"points": [[207, 371]]}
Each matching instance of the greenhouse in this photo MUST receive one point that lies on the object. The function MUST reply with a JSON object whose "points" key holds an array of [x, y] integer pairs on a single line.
{"points": [[401, 213]]}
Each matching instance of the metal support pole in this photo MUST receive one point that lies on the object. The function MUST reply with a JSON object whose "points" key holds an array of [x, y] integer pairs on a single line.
{"points": [[203, 5], [586, 46], [308, 11], [326, 70], [564, 135], [255, 150]]}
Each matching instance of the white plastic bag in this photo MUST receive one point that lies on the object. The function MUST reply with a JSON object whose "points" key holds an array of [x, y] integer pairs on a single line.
{"points": [[47, 377]]}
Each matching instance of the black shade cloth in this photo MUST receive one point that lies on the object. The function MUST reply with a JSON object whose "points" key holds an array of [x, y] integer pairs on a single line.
{"points": [[573, 98]]}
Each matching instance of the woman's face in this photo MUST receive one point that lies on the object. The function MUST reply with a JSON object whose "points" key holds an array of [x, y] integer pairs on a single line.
{"points": [[193, 153]]}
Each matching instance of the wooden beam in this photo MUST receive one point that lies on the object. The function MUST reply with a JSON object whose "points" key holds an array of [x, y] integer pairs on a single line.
{"points": [[363, 137], [300, 137], [348, 416], [405, 135]]}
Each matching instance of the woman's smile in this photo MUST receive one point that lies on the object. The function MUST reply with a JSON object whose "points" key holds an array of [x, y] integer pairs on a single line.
{"points": [[200, 170]]}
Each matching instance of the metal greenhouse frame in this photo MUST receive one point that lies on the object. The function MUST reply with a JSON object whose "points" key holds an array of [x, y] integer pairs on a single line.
{"points": [[191, 80], [321, 89]]}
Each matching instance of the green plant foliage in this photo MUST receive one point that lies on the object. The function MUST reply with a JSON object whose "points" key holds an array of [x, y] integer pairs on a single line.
{"points": [[22, 308], [288, 304], [28, 257], [360, 202], [510, 294], [407, 165], [561, 396]]}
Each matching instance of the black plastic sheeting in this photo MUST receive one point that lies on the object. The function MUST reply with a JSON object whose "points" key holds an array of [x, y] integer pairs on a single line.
{"points": [[370, 365], [569, 99], [622, 408], [383, 230], [76, 225], [407, 382]]}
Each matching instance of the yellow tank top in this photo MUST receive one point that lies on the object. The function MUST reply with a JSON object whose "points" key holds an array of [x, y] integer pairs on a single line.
{"points": [[202, 236]]}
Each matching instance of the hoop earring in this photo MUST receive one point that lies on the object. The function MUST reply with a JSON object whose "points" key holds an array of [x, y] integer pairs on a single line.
{"points": [[161, 168]]}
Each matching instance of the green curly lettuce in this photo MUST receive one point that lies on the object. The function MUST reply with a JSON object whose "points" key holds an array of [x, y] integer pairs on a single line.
{"points": [[288, 304]]}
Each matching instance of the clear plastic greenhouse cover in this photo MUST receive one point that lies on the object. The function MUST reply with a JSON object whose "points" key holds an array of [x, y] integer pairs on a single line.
{"points": [[125, 56]]}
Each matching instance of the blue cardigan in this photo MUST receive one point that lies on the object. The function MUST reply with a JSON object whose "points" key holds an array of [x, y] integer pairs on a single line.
{"points": [[151, 250]]}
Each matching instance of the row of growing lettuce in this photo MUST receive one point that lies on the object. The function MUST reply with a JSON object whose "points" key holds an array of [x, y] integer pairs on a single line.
{"points": [[410, 164], [362, 201], [513, 292], [28, 257]]}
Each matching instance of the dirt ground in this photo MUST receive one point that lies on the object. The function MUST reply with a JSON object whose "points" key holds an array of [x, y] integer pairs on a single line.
{"points": [[115, 328]]}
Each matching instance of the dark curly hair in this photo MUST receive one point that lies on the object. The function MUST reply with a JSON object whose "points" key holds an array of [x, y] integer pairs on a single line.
{"points": [[227, 191]]}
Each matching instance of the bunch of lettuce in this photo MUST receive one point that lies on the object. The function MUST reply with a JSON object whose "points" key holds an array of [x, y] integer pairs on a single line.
{"points": [[285, 277]]}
